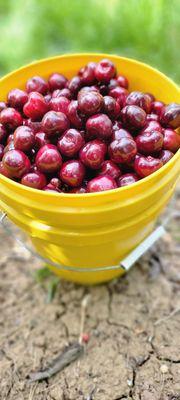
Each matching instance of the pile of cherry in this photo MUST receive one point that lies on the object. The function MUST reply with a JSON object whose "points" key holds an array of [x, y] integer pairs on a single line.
{"points": [[86, 134]]}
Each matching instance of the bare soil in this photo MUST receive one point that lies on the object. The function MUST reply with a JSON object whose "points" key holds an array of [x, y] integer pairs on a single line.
{"points": [[133, 323]]}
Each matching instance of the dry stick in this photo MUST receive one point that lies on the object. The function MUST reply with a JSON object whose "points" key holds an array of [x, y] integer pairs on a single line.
{"points": [[84, 305], [174, 312], [70, 354]]}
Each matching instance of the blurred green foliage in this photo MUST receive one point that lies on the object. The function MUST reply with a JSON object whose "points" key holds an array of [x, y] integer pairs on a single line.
{"points": [[147, 30]]}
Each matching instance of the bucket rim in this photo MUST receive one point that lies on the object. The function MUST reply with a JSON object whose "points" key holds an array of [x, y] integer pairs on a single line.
{"points": [[62, 195]]}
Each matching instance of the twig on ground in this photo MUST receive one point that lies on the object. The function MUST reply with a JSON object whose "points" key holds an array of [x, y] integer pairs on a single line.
{"points": [[164, 319]]}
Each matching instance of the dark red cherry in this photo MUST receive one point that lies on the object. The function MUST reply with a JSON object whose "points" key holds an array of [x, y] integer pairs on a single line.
{"points": [[3, 171], [87, 74], [57, 81], [34, 125], [72, 173], [17, 98], [62, 92], [139, 99], [74, 85], [123, 150], [3, 105], [3, 133], [48, 159], [92, 154], [36, 106], [55, 182], [99, 126], [120, 94], [165, 156], [70, 143], [157, 107], [105, 70], [121, 133], [111, 107], [123, 81], [37, 84], [149, 142], [111, 169], [145, 166], [16, 163], [10, 118], [24, 138], [127, 179], [90, 102], [59, 104], [171, 140], [171, 115], [35, 180], [101, 183], [133, 116], [54, 122], [40, 139], [1, 151], [73, 115]]}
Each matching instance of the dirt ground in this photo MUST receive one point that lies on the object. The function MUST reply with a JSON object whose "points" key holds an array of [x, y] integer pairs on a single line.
{"points": [[133, 323]]}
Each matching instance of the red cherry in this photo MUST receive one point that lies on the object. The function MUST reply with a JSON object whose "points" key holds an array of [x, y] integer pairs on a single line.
{"points": [[120, 94], [59, 104], [87, 74], [121, 133], [157, 107], [149, 142], [165, 156], [37, 84], [73, 115], [3, 171], [100, 126], [1, 151], [123, 150], [3, 105], [3, 133], [54, 122], [79, 190], [111, 169], [51, 188], [55, 182], [152, 117], [139, 99], [34, 125], [72, 173], [17, 98], [145, 166], [36, 106], [170, 115], [70, 143], [62, 92], [105, 70], [133, 116], [74, 85], [48, 159], [127, 179], [152, 126], [171, 140], [101, 183], [10, 118], [90, 102], [123, 81], [16, 163], [92, 154], [40, 140], [24, 138], [111, 107], [35, 180], [57, 81]]}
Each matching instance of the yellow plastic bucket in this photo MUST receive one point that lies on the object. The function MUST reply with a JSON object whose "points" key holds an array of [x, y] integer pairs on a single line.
{"points": [[97, 229]]}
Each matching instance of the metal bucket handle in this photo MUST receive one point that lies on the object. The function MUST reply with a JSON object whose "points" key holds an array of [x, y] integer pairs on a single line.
{"points": [[125, 264]]}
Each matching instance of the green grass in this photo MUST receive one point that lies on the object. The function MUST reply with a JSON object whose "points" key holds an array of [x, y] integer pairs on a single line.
{"points": [[147, 30]]}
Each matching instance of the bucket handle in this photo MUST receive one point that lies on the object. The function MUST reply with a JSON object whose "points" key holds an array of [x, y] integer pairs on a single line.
{"points": [[125, 264]]}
